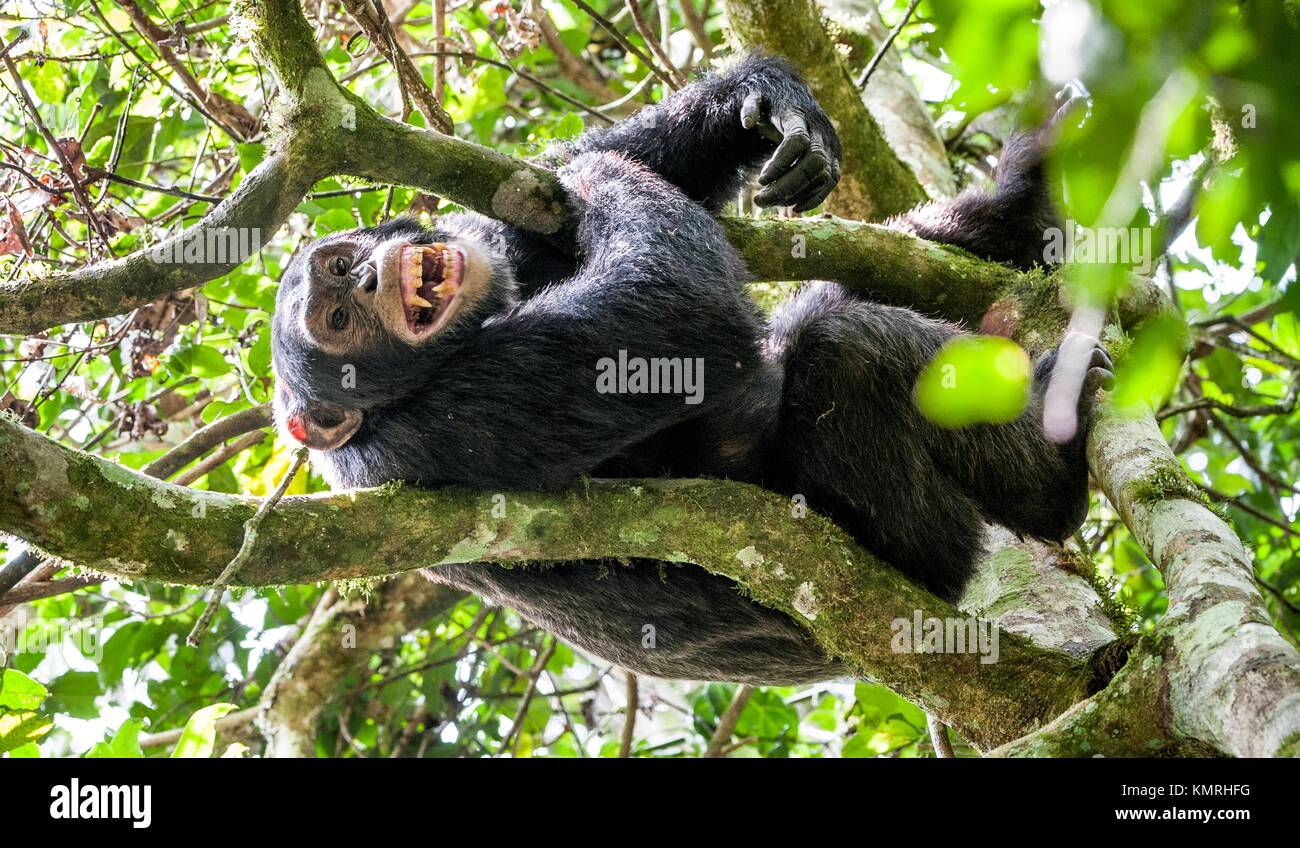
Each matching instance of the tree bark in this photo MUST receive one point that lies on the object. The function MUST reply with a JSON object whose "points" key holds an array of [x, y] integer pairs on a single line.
{"points": [[114, 521], [337, 642]]}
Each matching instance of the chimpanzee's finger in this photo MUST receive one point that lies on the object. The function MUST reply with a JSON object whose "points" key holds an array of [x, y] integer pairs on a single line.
{"points": [[1101, 359], [751, 111], [795, 143], [785, 188], [1098, 376], [815, 193]]}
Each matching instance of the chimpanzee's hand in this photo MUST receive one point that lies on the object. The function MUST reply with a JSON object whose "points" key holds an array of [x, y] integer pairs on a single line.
{"points": [[806, 164]]}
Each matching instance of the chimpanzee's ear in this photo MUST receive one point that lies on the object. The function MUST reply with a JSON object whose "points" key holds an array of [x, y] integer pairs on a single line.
{"points": [[317, 424]]}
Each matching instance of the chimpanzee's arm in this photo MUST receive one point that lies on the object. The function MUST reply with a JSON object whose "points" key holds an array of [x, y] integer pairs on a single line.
{"points": [[523, 404], [706, 137], [1011, 223]]}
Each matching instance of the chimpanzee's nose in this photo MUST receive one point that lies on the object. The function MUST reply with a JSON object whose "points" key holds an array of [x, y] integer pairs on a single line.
{"points": [[367, 279]]}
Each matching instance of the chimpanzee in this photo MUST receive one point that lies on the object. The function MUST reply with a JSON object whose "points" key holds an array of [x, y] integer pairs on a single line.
{"points": [[471, 353]]}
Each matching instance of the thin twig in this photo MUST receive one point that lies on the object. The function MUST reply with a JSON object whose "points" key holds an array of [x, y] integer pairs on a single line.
{"points": [[939, 736], [514, 735], [648, 36], [1281, 407], [629, 716], [695, 23], [374, 22], [245, 550], [34, 591], [221, 457], [527, 77], [625, 44], [1222, 497], [92, 221], [100, 174], [727, 724], [889, 42], [206, 438]]}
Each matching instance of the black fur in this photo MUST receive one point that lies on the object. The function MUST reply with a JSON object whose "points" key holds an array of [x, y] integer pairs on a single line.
{"points": [[817, 402]]}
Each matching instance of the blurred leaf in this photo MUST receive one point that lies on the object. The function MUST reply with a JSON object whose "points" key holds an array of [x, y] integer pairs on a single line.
{"points": [[21, 728], [200, 734], [20, 692], [1147, 376], [973, 380]]}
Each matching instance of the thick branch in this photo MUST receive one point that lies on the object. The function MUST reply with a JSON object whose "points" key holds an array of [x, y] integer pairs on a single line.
{"points": [[1033, 588], [1229, 677], [1215, 676], [890, 95], [338, 641], [330, 131], [249, 216], [110, 519]]}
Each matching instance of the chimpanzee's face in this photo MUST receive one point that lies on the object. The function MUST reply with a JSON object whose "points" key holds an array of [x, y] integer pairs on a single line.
{"points": [[359, 316], [360, 290]]}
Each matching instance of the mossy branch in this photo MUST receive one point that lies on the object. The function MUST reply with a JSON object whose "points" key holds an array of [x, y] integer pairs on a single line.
{"points": [[324, 130], [256, 209], [1228, 676], [104, 517]]}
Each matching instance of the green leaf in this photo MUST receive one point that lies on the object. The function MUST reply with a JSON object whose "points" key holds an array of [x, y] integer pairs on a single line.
{"points": [[125, 743], [20, 692], [570, 126], [259, 355], [198, 360], [29, 751], [1148, 374], [334, 220], [858, 746], [48, 83], [235, 751], [21, 728], [1279, 241], [200, 734], [766, 716], [973, 380], [250, 155], [74, 693]]}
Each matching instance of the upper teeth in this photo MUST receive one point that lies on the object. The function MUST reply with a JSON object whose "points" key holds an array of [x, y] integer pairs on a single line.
{"points": [[412, 266]]}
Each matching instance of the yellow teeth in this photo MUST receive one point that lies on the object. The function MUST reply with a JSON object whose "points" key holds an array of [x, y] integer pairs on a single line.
{"points": [[445, 288], [419, 301]]}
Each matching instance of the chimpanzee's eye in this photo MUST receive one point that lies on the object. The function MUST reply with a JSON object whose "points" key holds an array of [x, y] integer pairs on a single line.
{"points": [[339, 318], [339, 266]]}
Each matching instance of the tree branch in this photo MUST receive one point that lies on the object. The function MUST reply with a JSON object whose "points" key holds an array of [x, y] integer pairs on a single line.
{"points": [[339, 639], [1230, 679], [892, 98], [256, 209], [331, 132], [115, 521]]}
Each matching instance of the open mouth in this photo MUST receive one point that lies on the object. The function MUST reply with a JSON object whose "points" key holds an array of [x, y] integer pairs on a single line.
{"points": [[431, 278]]}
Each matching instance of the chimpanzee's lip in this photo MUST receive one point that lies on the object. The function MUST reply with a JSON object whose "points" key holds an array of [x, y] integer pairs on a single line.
{"points": [[430, 277]]}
